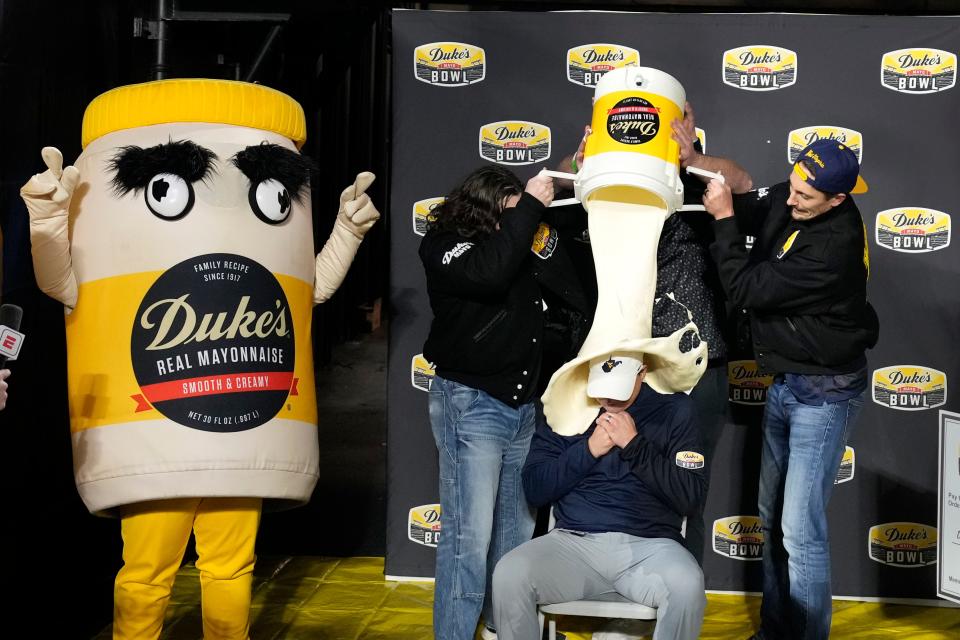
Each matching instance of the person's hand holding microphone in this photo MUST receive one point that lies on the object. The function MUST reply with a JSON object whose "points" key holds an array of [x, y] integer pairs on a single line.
{"points": [[4, 374]]}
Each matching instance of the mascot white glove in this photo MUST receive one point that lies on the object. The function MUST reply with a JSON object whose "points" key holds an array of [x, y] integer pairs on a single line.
{"points": [[357, 212], [47, 196], [354, 219]]}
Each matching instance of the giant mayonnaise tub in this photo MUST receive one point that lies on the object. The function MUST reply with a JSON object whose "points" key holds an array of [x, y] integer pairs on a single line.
{"points": [[630, 148], [190, 369], [629, 184]]}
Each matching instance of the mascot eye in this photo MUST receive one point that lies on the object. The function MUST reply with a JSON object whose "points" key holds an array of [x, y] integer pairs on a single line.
{"points": [[270, 201], [169, 196]]}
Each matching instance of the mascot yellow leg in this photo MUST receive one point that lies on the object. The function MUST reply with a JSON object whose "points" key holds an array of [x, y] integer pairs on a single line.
{"points": [[155, 536]]}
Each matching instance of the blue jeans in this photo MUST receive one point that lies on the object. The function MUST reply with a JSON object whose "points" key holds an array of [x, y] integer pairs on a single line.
{"points": [[802, 449], [483, 444]]}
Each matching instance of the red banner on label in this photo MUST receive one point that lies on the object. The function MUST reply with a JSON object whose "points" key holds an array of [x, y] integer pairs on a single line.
{"points": [[142, 404], [633, 110], [216, 385]]}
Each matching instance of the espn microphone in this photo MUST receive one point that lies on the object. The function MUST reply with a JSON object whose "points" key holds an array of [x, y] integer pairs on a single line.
{"points": [[10, 337]]}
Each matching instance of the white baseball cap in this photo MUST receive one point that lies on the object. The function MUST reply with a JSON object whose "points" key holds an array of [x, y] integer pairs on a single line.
{"points": [[613, 376]]}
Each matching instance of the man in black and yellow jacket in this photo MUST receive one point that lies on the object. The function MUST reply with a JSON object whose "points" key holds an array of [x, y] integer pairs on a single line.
{"points": [[804, 286]]}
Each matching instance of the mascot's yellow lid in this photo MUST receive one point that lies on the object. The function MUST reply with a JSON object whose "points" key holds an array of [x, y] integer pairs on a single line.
{"points": [[194, 100]]}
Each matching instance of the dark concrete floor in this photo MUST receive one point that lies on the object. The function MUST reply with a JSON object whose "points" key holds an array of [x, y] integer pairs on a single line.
{"points": [[347, 515]]}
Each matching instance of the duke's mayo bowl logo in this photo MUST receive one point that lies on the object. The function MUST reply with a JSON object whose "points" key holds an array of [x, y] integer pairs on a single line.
{"points": [[759, 67], [913, 229], [544, 241], [423, 525], [798, 139], [746, 385], [449, 64], [514, 142], [212, 344], [903, 544], [918, 70], [689, 460], [847, 466], [421, 373], [909, 387], [423, 214], [738, 537], [587, 63]]}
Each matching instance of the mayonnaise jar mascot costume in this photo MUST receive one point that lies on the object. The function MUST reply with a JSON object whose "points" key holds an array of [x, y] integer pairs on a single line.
{"points": [[181, 246]]}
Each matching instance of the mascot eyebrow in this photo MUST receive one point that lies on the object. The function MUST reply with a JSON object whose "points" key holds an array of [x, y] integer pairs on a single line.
{"points": [[268, 161], [135, 166]]}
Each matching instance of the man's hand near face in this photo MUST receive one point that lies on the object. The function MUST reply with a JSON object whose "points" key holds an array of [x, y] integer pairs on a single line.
{"points": [[619, 426]]}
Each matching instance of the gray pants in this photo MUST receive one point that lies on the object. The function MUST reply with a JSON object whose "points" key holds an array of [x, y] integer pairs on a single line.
{"points": [[564, 565]]}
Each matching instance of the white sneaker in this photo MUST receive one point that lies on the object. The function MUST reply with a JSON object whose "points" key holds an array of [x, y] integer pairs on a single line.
{"points": [[486, 633]]}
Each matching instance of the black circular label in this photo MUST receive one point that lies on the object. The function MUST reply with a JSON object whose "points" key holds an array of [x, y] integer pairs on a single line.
{"points": [[212, 345], [633, 120]]}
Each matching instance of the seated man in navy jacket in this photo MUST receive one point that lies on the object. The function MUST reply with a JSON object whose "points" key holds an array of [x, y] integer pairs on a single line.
{"points": [[619, 491]]}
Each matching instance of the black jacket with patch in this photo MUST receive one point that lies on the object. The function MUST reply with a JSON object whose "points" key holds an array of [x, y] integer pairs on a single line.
{"points": [[804, 283], [488, 306]]}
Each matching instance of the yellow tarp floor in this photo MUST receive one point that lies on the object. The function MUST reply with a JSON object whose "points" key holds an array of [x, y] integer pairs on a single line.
{"points": [[348, 599]]}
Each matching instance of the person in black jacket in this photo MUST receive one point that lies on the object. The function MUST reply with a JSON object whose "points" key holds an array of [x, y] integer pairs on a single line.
{"points": [[486, 343], [619, 491], [804, 285]]}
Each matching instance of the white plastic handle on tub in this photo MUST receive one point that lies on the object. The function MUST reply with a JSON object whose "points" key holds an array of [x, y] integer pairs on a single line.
{"points": [[560, 174], [704, 172]]}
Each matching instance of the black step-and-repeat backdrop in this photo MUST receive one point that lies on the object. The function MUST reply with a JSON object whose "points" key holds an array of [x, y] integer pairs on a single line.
{"points": [[516, 88]]}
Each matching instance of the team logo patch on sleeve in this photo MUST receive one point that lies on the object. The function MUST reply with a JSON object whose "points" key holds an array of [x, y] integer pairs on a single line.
{"points": [[544, 241], [786, 245], [690, 460]]}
